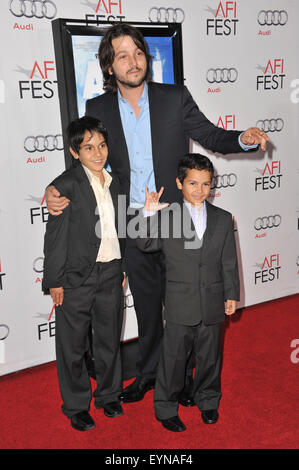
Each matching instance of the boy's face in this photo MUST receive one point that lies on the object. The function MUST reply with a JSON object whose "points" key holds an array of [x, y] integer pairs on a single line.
{"points": [[196, 186], [93, 152]]}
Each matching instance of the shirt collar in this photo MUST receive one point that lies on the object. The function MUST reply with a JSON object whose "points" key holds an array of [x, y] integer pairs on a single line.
{"points": [[193, 210], [94, 179], [142, 100]]}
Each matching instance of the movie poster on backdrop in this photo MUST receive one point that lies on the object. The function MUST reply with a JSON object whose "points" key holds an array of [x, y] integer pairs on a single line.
{"points": [[234, 89]]}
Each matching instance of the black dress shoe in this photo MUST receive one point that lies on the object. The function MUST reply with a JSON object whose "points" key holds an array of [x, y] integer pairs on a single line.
{"points": [[209, 416], [137, 389], [185, 398], [173, 424], [113, 409], [82, 421]]}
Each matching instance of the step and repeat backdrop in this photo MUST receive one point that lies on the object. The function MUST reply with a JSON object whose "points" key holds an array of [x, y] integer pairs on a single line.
{"points": [[240, 65]]}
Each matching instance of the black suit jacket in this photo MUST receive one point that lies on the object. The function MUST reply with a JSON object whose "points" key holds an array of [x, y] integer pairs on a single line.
{"points": [[198, 280], [71, 243], [175, 118]]}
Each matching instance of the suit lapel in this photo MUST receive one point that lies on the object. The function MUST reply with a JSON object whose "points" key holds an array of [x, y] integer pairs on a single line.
{"points": [[88, 195], [116, 136], [211, 224]]}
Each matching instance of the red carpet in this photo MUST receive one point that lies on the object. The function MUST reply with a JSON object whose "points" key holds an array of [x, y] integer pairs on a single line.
{"points": [[258, 410]]}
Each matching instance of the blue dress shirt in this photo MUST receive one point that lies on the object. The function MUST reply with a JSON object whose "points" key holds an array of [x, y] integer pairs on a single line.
{"points": [[137, 133]]}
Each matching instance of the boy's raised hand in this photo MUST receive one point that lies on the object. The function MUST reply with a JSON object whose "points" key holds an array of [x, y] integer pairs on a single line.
{"points": [[152, 203]]}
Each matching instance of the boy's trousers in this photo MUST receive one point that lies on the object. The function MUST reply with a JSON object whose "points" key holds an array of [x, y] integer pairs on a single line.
{"points": [[178, 342], [98, 302]]}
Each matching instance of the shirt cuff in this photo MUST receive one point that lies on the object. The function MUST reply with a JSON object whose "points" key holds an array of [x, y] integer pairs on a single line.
{"points": [[246, 147]]}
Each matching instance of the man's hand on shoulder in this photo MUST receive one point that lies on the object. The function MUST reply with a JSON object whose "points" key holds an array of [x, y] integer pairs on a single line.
{"points": [[255, 136], [55, 203]]}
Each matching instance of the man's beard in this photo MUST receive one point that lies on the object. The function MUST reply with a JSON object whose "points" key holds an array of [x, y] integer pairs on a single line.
{"points": [[128, 83]]}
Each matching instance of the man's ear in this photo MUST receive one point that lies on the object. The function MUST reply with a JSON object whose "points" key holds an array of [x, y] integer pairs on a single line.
{"points": [[110, 71], [179, 184], [75, 155]]}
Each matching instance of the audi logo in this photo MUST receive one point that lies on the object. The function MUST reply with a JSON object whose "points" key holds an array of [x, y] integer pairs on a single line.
{"points": [[166, 15], [224, 181], [42, 143], [4, 332], [267, 222], [222, 75], [270, 125], [128, 300], [38, 265], [33, 8], [272, 17]]}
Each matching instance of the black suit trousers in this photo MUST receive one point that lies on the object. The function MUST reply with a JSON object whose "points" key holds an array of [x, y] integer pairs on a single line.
{"points": [[178, 344], [97, 303]]}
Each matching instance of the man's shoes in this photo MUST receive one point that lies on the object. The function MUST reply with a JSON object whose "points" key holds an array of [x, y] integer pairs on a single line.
{"points": [[209, 416], [113, 409], [173, 424], [82, 421], [137, 389], [185, 397]]}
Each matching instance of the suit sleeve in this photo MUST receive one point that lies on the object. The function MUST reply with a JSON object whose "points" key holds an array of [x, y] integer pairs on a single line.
{"points": [[199, 128], [148, 239], [230, 265], [56, 243]]}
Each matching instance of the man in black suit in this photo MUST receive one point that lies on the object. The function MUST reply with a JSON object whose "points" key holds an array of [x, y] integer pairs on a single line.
{"points": [[83, 270], [150, 125], [202, 284]]}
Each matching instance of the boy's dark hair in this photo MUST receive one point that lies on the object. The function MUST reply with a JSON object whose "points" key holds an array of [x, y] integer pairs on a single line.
{"points": [[77, 128], [106, 52], [194, 161]]}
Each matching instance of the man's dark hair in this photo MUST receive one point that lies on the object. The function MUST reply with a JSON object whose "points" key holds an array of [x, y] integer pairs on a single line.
{"points": [[194, 161], [106, 52], [77, 128]]}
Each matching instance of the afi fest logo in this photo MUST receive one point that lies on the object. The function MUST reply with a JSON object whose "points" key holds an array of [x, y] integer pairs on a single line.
{"points": [[273, 75], [39, 213], [269, 269], [2, 274], [105, 10], [225, 20], [40, 83], [227, 122], [270, 177], [46, 329]]}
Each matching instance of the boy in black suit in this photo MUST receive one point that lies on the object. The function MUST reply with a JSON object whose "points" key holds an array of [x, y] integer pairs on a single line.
{"points": [[202, 285], [83, 270]]}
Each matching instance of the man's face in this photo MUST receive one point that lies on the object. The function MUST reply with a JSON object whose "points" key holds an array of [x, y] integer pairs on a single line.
{"points": [[196, 186], [129, 66], [93, 152]]}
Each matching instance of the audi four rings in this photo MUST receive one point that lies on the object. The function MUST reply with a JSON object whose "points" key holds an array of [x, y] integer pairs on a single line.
{"points": [[267, 222], [33, 8], [224, 181], [270, 125], [272, 17], [4, 331], [166, 15], [41, 143], [222, 75]]}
